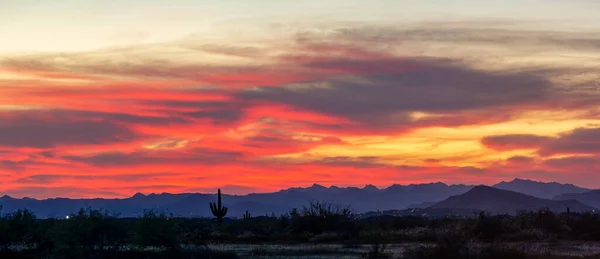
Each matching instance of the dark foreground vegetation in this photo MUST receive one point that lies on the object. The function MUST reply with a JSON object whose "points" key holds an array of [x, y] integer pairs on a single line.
{"points": [[96, 234]]}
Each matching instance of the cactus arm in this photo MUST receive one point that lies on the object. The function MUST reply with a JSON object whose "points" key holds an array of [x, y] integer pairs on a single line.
{"points": [[219, 197]]}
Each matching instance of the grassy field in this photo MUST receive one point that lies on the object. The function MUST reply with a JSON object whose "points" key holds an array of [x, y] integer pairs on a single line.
{"points": [[521, 250], [342, 251]]}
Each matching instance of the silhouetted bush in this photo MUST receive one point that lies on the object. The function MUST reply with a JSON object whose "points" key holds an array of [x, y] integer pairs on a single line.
{"points": [[489, 228], [585, 227], [157, 229], [89, 234], [319, 217], [96, 234], [457, 246], [17, 229], [548, 221], [377, 251]]}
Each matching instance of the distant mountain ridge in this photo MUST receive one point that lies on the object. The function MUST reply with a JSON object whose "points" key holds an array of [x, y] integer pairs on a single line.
{"points": [[539, 189], [591, 198], [368, 198], [498, 201], [196, 204]]}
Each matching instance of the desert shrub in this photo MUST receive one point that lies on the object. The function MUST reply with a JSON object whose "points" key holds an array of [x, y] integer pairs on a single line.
{"points": [[548, 221], [394, 223], [259, 226], [194, 231], [377, 251], [451, 245], [464, 250], [157, 229], [18, 228], [586, 227], [319, 217], [260, 251], [89, 233], [488, 228], [190, 254]]}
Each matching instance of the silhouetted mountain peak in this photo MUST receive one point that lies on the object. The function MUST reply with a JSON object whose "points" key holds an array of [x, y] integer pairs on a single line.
{"points": [[533, 182], [395, 187], [591, 198], [539, 189], [482, 188], [438, 184], [496, 200], [485, 190], [6, 197], [317, 187], [138, 195], [517, 181], [370, 187]]}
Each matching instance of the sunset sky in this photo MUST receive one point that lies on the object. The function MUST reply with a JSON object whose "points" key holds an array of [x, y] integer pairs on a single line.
{"points": [[106, 98]]}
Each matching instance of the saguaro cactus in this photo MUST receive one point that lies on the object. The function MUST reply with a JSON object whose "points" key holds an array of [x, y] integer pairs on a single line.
{"points": [[247, 215], [218, 210]]}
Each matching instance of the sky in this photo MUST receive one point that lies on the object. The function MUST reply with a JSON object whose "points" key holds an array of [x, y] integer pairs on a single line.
{"points": [[106, 98]]}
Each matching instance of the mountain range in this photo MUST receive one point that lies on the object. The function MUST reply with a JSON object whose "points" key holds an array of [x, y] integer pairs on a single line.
{"points": [[539, 189], [591, 198], [498, 201], [526, 193]]}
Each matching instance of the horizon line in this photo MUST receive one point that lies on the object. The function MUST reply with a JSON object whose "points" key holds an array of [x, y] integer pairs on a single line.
{"points": [[298, 187]]}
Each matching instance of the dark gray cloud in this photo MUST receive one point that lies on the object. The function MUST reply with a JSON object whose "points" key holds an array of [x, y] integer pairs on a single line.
{"points": [[110, 64], [577, 141], [115, 117], [47, 130], [133, 119], [46, 154], [50, 178], [218, 117], [195, 156], [231, 189], [24, 164], [219, 112], [14, 166], [71, 192], [515, 141], [357, 162], [20, 161], [465, 35], [395, 87], [521, 159], [200, 105], [573, 161]]}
